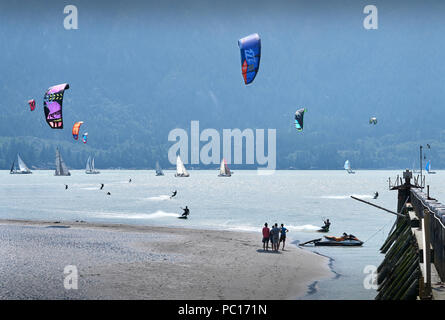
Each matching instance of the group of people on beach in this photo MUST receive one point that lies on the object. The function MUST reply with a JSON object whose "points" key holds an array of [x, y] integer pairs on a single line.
{"points": [[275, 235]]}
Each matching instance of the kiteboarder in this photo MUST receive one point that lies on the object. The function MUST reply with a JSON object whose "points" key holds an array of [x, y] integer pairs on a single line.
{"points": [[173, 194], [108, 193], [376, 194], [101, 186], [129, 180], [66, 186], [186, 212], [326, 226]]}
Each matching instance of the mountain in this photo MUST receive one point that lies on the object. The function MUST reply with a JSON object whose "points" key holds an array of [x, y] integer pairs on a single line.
{"points": [[139, 69]]}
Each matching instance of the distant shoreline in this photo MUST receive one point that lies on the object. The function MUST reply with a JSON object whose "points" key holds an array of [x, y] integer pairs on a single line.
{"points": [[148, 262]]}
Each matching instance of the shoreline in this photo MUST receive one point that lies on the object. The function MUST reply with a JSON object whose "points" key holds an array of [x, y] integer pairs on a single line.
{"points": [[119, 261]]}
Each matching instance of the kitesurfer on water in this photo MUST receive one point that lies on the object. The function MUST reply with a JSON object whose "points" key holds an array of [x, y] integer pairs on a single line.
{"points": [[101, 186], [326, 226], [174, 194], [186, 212], [376, 194], [66, 186]]}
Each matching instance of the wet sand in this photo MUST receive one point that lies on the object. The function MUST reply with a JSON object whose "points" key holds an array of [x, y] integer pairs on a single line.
{"points": [[144, 262]]}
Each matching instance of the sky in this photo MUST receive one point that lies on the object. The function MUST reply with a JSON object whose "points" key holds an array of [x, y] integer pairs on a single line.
{"points": [[139, 67]]}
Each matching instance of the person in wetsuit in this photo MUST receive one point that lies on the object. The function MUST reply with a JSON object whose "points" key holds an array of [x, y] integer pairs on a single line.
{"points": [[174, 194], [66, 186], [326, 226], [101, 186], [376, 194], [186, 212]]}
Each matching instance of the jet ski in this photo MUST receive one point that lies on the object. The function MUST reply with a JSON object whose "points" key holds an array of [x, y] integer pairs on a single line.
{"points": [[346, 241]]}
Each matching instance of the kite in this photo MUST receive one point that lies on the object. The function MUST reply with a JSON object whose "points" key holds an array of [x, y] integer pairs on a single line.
{"points": [[76, 128], [52, 105], [32, 104], [85, 137], [250, 48], [299, 119]]}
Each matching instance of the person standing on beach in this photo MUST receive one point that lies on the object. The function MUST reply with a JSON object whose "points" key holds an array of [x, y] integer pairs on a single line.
{"points": [[266, 235], [283, 235], [271, 237], [276, 235]]}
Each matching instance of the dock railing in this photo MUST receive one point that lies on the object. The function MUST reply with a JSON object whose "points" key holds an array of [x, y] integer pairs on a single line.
{"points": [[422, 201]]}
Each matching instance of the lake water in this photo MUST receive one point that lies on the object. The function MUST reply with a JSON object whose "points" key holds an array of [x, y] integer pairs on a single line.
{"points": [[243, 202]]}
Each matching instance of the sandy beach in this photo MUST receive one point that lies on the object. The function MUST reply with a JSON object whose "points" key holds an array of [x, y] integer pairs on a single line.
{"points": [[143, 262]]}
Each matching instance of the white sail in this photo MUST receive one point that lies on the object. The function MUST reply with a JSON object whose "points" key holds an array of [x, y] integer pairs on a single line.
{"points": [[347, 167], [22, 165], [180, 169], [61, 168], [58, 166], [158, 169], [222, 168], [88, 166]]}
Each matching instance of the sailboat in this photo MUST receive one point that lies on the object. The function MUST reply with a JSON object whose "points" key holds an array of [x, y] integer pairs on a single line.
{"points": [[61, 168], [428, 168], [20, 168], [180, 169], [89, 169], [158, 169], [348, 167], [224, 170]]}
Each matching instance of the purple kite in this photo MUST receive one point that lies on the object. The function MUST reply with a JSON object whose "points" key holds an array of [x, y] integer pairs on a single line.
{"points": [[52, 105]]}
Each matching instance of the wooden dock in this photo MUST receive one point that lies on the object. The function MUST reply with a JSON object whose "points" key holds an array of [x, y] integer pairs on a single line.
{"points": [[409, 271]]}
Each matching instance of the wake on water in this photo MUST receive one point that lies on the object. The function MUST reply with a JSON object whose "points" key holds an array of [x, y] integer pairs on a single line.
{"points": [[303, 228], [159, 198], [155, 215]]}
